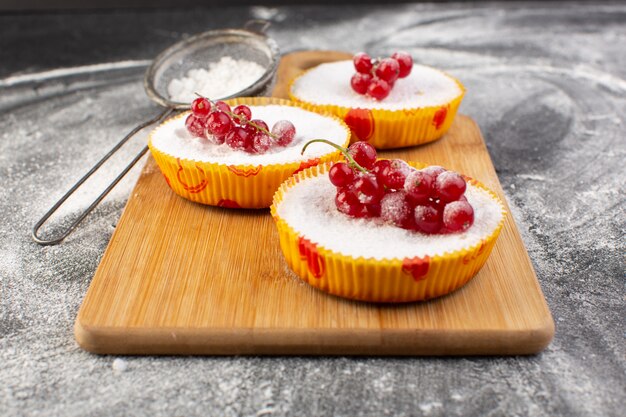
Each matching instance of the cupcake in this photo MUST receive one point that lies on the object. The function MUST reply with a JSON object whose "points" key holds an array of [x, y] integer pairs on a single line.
{"points": [[347, 233], [387, 104], [230, 169]]}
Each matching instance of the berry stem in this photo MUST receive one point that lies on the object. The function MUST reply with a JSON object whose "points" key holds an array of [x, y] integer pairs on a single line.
{"points": [[243, 119], [343, 150], [254, 125]]}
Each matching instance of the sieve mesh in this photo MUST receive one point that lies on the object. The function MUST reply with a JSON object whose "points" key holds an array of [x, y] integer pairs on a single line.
{"points": [[201, 50]]}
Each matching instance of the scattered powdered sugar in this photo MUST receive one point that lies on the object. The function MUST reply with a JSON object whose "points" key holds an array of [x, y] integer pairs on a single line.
{"points": [[173, 138], [330, 84], [309, 208], [119, 365], [222, 79]]}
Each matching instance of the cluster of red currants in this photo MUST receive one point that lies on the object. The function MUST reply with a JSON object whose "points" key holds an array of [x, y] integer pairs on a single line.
{"points": [[376, 78], [429, 200], [216, 121]]}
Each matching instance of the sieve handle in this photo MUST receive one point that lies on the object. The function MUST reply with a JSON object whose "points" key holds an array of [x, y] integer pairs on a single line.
{"points": [[257, 25], [76, 186]]}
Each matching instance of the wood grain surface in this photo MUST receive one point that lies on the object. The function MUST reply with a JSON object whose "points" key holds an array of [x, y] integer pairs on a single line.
{"points": [[182, 278]]}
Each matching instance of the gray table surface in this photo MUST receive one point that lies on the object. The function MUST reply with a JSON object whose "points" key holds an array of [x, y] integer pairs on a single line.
{"points": [[547, 85]]}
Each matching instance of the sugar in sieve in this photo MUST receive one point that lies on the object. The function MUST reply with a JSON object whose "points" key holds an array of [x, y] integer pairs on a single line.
{"points": [[250, 43]]}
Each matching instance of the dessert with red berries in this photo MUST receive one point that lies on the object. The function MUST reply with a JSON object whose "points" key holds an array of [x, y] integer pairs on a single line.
{"points": [[390, 102], [236, 153], [385, 230]]}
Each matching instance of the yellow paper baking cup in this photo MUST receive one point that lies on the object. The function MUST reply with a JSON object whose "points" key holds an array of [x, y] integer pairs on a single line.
{"points": [[234, 186], [368, 279], [386, 129]]}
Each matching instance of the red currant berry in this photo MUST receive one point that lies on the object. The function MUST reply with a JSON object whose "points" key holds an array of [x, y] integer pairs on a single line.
{"points": [[243, 112], [427, 219], [348, 203], [219, 123], [195, 126], [436, 203], [284, 131], [449, 186], [395, 209], [250, 129], [434, 171], [219, 139], [363, 153], [256, 123], [419, 186], [396, 175], [238, 138], [405, 62], [380, 166], [388, 70], [201, 107], [458, 216], [221, 106], [373, 210], [341, 175], [378, 89], [362, 63], [410, 223], [360, 82], [261, 142], [367, 189]]}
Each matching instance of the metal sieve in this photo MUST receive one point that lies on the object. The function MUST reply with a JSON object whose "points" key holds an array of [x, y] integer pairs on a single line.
{"points": [[210, 46], [250, 43]]}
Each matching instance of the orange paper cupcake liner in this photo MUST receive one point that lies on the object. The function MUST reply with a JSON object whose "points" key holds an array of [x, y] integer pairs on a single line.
{"points": [[386, 129], [373, 280], [234, 186]]}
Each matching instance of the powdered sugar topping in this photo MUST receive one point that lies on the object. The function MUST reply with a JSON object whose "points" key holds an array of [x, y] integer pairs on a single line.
{"points": [[173, 138], [330, 84], [309, 208], [221, 79]]}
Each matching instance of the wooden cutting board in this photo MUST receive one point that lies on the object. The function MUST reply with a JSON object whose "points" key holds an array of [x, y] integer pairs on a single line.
{"points": [[182, 278]]}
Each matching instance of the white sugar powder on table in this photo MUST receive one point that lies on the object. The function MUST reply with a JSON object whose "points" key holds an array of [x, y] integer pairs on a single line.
{"points": [[222, 79], [309, 208], [173, 138], [330, 84]]}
